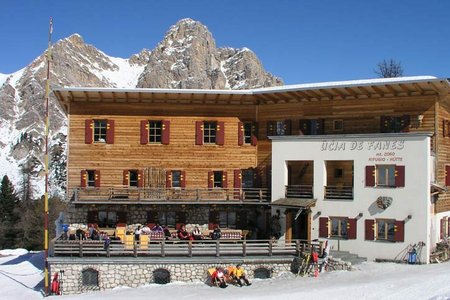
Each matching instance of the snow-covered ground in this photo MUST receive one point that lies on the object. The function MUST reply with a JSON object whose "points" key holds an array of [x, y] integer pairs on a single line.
{"points": [[21, 278]]}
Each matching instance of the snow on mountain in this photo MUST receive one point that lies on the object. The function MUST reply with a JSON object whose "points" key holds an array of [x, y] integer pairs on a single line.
{"points": [[186, 58]]}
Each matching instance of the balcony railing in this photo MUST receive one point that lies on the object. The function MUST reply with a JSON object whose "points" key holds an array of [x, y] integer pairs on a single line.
{"points": [[132, 194], [299, 191], [339, 192]]}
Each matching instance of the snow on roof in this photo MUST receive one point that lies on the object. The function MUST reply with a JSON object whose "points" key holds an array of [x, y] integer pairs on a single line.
{"points": [[284, 88]]}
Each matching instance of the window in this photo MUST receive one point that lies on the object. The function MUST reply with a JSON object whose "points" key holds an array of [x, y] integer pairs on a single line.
{"points": [[90, 178], [247, 178], [167, 218], [395, 124], [133, 178], [248, 130], [385, 229], [279, 128], [107, 218], [100, 131], [154, 131], [385, 175], [176, 179], [338, 227], [227, 219], [89, 277], [218, 179], [338, 125], [209, 132], [311, 127]]}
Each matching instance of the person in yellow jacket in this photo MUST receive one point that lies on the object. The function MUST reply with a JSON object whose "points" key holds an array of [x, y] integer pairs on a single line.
{"points": [[240, 275]]}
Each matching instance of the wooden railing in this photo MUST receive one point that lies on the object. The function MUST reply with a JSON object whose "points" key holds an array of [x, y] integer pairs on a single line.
{"points": [[208, 248], [299, 191], [339, 192], [132, 194]]}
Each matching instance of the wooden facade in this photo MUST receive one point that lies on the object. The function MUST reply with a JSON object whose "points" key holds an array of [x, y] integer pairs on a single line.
{"points": [[391, 105]]}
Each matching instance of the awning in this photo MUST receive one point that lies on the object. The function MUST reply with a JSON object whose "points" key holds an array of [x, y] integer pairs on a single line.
{"points": [[295, 202], [437, 189]]}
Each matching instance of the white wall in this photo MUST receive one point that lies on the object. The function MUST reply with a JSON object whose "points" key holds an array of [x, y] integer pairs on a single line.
{"points": [[410, 150]]}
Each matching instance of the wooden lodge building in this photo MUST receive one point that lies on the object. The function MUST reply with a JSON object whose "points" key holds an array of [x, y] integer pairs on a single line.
{"points": [[247, 159]]}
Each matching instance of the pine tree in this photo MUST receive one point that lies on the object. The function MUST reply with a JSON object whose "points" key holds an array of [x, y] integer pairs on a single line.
{"points": [[9, 214]]}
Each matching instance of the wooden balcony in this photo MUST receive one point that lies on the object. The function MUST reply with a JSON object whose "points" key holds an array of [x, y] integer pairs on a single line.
{"points": [[339, 192], [171, 195], [299, 191]]}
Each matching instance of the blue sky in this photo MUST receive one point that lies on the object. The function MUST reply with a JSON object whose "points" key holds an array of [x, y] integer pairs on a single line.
{"points": [[299, 41]]}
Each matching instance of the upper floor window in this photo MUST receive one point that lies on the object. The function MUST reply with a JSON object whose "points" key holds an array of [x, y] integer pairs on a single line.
{"points": [[99, 131], [248, 131], [90, 178], [394, 124], [133, 178], [217, 179], [155, 132], [311, 126], [385, 176], [176, 178], [209, 132], [279, 127]]}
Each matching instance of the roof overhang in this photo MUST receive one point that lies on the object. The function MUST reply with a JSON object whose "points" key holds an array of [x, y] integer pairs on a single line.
{"points": [[325, 91], [437, 189], [294, 202]]}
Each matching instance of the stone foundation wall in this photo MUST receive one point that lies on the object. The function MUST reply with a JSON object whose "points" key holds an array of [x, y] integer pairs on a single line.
{"points": [[111, 275]]}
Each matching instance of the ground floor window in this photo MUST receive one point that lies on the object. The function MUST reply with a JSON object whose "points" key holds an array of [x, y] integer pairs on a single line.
{"points": [[385, 229], [107, 218], [167, 218], [89, 277], [339, 227], [227, 219]]}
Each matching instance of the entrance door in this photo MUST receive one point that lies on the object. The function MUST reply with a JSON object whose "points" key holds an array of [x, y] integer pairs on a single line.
{"points": [[299, 224]]}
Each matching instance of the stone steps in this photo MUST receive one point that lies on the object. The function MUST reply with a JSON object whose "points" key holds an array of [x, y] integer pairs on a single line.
{"points": [[346, 256]]}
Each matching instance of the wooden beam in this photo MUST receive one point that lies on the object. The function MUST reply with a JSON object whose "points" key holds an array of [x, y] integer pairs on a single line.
{"points": [[86, 95], [417, 86], [100, 95], [391, 89]]}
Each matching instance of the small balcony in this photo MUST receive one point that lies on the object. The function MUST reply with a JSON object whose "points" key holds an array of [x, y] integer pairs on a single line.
{"points": [[299, 191], [128, 195], [338, 192]]}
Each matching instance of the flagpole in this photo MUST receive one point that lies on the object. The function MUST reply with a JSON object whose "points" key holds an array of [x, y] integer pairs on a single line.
{"points": [[47, 93]]}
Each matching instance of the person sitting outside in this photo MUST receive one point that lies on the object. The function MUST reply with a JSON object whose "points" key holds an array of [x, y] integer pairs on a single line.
{"points": [[145, 230], [216, 234], [197, 234], [218, 278], [137, 234], [80, 234], [157, 228], [241, 276], [167, 233], [183, 234]]}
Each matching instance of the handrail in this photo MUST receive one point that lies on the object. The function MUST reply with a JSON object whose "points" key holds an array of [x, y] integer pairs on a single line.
{"points": [[163, 248], [339, 192], [299, 191], [134, 194]]}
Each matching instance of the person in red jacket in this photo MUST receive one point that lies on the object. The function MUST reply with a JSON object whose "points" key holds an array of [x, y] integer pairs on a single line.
{"points": [[218, 278], [183, 234]]}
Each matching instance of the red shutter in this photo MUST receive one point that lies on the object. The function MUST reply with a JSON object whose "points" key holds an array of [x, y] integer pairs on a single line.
{"points": [[183, 179], [126, 175], [213, 219], [399, 231], [370, 230], [144, 132], [351, 229], [220, 133], [140, 178], [287, 127], [370, 175], [444, 128], [88, 131], [399, 176], [254, 134], [323, 227], [237, 183], [165, 138], [304, 127], [210, 179], [442, 231], [97, 178], [271, 128], [168, 179], [448, 227], [224, 180], [83, 183], [110, 131], [240, 133], [199, 132], [447, 175]]}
